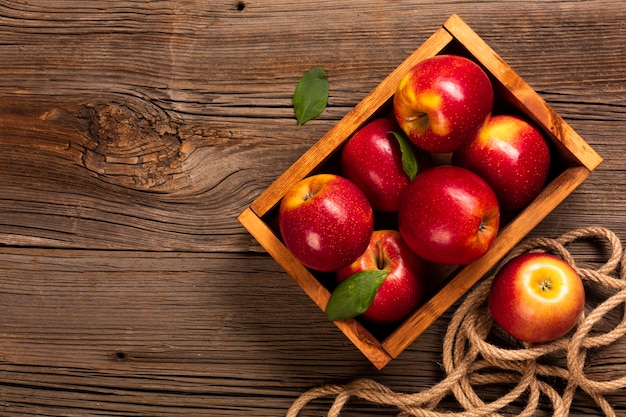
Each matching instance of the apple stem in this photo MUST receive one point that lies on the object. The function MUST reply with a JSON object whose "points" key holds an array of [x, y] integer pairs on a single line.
{"points": [[416, 117], [380, 259]]}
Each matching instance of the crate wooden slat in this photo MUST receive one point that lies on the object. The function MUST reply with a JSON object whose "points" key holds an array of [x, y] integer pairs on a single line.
{"points": [[524, 97], [576, 162]]}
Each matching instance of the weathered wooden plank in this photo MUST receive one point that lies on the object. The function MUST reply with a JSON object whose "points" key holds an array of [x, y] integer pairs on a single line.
{"points": [[159, 334], [162, 110], [113, 333]]}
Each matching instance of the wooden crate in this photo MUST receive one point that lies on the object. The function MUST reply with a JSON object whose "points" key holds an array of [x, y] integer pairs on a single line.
{"points": [[573, 161]]}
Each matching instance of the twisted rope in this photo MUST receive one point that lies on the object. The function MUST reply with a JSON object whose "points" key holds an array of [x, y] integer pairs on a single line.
{"points": [[470, 360]]}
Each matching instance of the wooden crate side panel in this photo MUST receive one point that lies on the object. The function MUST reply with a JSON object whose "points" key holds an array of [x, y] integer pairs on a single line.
{"points": [[551, 196], [352, 329], [524, 97]]}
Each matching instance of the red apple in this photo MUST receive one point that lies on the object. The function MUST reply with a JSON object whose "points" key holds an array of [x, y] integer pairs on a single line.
{"points": [[449, 215], [325, 221], [372, 159], [512, 156], [404, 286], [536, 297], [442, 102]]}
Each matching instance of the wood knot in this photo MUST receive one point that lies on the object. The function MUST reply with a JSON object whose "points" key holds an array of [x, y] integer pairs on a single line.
{"points": [[132, 147]]}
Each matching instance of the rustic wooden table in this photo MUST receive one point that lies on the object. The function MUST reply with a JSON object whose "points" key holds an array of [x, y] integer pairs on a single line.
{"points": [[133, 133]]}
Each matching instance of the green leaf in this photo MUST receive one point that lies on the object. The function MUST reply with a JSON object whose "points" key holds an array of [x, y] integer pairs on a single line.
{"points": [[354, 295], [311, 95], [409, 162]]}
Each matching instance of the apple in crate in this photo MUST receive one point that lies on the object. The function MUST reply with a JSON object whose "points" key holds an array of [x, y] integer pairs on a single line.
{"points": [[442, 102], [372, 159], [536, 297], [513, 157], [325, 221], [404, 285], [449, 215]]}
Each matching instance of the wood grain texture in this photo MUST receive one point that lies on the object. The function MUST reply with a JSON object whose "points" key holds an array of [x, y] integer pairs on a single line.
{"points": [[132, 135]]}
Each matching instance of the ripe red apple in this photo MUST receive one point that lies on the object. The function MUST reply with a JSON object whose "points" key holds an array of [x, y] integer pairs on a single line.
{"points": [[404, 286], [372, 159], [325, 221], [536, 297], [512, 156], [449, 215], [442, 102]]}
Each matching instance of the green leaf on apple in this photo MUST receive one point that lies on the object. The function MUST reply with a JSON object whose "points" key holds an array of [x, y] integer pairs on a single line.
{"points": [[354, 295], [311, 95], [409, 162]]}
